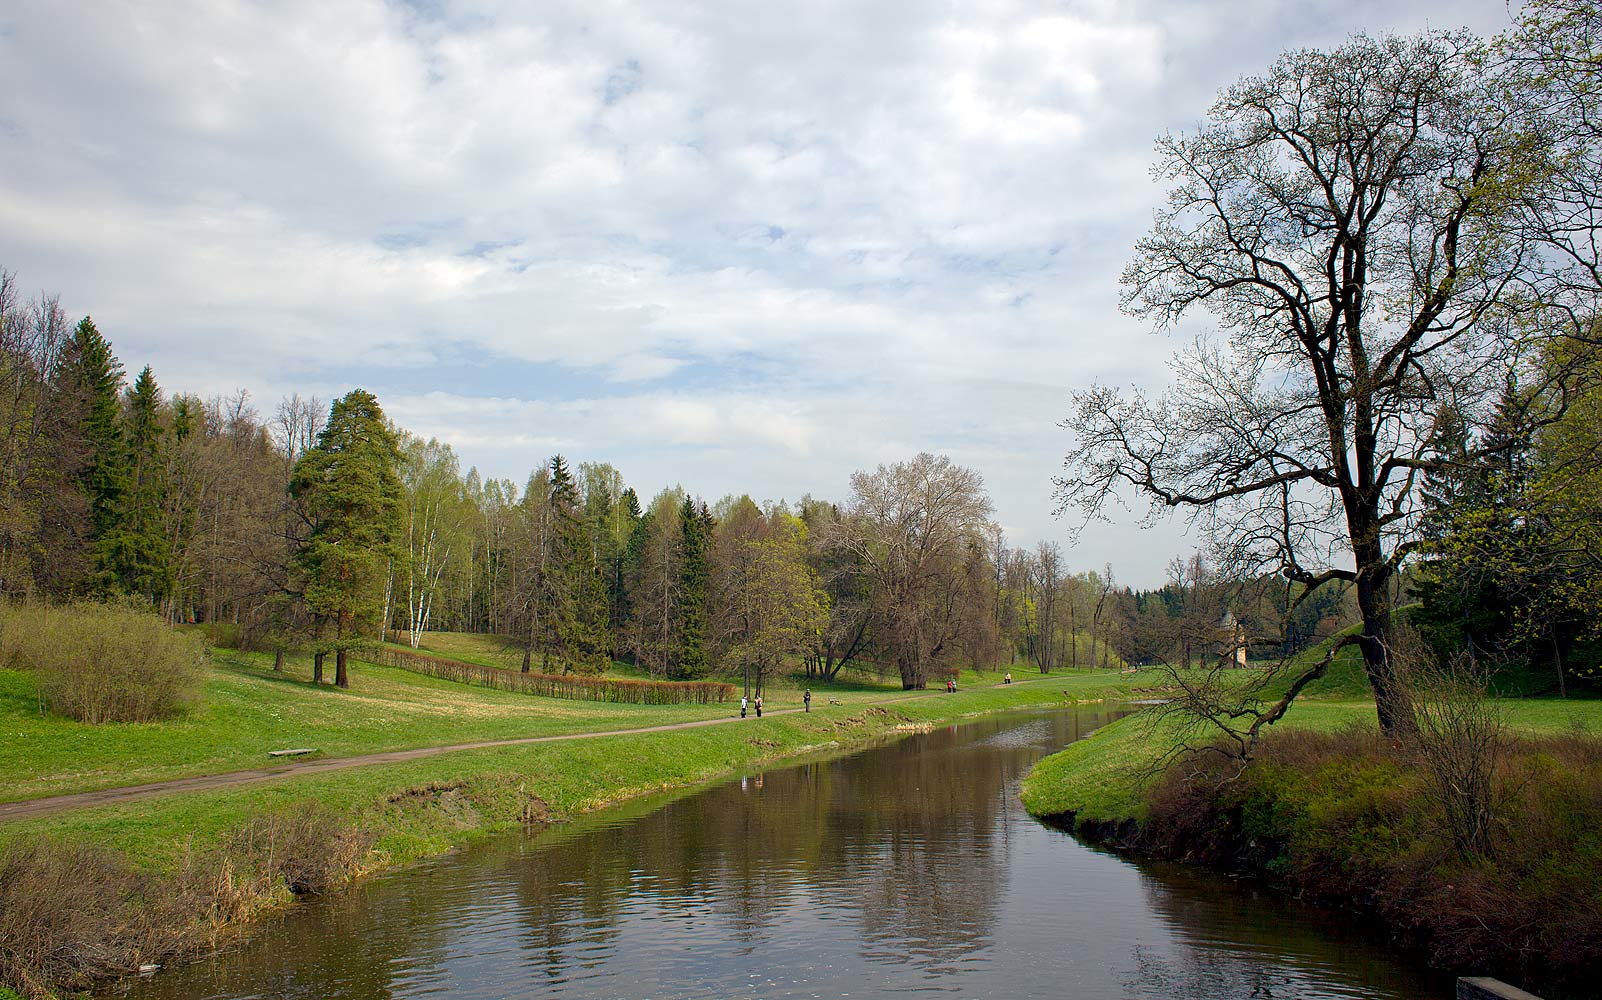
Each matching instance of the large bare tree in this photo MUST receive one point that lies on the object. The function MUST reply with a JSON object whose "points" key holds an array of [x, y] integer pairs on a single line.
{"points": [[911, 528], [1356, 222]]}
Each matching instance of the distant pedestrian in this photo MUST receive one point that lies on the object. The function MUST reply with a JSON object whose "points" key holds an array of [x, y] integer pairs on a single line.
{"points": [[806, 699], [742, 706], [759, 706], [1007, 679]]}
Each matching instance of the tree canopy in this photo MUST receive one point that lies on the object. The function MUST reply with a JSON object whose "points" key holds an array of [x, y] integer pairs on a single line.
{"points": [[1371, 227]]}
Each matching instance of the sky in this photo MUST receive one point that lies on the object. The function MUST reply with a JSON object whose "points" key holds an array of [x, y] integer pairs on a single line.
{"points": [[741, 247]]}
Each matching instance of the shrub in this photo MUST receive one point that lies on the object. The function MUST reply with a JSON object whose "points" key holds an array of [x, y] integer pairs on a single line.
{"points": [[102, 663], [578, 688], [72, 914]]}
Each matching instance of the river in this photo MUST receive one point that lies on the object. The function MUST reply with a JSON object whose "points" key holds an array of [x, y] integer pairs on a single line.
{"points": [[905, 868]]}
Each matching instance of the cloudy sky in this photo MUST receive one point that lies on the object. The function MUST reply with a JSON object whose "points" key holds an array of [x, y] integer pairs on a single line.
{"points": [[745, 247]]}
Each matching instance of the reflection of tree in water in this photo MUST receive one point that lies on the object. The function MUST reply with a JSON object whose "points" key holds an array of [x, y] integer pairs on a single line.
{"points": [[928, 863], [1246, 940], [908, 840]]}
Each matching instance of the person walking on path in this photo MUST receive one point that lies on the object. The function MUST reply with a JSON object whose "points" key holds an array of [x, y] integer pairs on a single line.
{"points": [[806, 699], [742, 706], [759, 706]]}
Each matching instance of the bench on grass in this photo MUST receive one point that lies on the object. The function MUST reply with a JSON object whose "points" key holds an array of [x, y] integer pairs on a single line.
{"points": [[291, 753]]}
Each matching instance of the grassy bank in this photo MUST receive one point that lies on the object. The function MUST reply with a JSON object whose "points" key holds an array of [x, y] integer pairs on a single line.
{"points": [[1104, 779], [219, 857], [245, 709], [1332, 812]]}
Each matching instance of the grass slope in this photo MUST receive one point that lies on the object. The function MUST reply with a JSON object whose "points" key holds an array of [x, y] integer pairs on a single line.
{"points": [[1101, 779], [246, 709], [418, 808]]}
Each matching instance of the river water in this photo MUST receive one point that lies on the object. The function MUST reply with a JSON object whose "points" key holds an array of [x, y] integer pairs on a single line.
{"points": [[909, 868]]}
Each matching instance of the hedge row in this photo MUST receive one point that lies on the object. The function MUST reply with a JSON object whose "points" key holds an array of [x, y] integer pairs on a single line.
{"points": [[556, 686]]}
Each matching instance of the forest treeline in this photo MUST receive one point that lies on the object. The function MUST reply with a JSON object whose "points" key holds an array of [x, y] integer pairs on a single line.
{"points": [[323, 528]]}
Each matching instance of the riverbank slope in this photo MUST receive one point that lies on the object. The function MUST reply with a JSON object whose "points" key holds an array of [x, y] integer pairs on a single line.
{"points": [[1330, 811], [98, 891]]}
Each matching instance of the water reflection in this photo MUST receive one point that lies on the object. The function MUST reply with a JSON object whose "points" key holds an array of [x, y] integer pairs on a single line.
{"points": [[907, 868]]}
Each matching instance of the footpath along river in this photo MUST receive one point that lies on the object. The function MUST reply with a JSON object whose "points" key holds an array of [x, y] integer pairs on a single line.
{"points": [[905, 868]]}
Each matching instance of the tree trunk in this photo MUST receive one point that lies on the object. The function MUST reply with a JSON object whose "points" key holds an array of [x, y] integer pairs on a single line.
{"points": [[912, 678], [278, 661], [1391, 701], [341, 675], [1557, 658], [317, 667]]}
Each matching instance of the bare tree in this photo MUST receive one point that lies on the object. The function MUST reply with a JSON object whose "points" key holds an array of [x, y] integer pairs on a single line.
{"points": [[297, 424], [911, 526], [41, 510], [1046, 581], [1353, 220]]}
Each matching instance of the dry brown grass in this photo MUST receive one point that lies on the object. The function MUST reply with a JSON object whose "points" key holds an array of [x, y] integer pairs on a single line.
{"points": [[307, 848], [72, 915]]}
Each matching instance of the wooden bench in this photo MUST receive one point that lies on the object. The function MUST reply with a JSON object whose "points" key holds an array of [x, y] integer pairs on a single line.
{"points": [[291, 753]]}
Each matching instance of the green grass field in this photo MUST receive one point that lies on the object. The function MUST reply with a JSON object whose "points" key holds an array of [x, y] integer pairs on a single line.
{"points": [[245, 710], [422, 807], [861, 680], [1101, 779]]}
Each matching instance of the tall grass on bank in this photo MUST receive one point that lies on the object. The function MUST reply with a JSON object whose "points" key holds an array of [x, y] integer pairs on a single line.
{"points": [[1348, 818], [72, 914], [607, 689], [101, 663]]}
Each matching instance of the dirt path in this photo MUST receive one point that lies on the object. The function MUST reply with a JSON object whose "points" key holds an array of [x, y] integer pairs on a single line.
{"points": [[229, 779], [29, 808]]}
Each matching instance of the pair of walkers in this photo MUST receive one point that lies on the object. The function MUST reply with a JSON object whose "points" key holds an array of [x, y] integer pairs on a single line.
{"points": [[744, 701]]}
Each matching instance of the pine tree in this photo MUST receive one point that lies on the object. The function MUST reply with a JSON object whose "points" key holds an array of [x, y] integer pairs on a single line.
{"points": [[350, 484]]}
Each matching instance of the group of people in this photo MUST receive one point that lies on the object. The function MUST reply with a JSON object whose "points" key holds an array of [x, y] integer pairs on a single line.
{"points": [[806, 696], [745, 702]]}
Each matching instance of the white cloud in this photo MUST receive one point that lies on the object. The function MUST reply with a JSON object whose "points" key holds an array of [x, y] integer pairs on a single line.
{"points": [[741, 247]]}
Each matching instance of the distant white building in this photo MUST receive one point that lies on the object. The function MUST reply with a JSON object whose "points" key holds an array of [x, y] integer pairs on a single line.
{"points": [[1232, 640]]}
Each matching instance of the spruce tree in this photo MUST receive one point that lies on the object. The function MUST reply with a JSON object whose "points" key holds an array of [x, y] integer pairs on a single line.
{"points": [[91, 380], [624, 555], [696, 538], [138, 554]]}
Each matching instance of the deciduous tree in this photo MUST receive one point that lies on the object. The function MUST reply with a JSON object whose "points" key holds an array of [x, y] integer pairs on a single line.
{"points": [[1356, 221], [910, 527]]}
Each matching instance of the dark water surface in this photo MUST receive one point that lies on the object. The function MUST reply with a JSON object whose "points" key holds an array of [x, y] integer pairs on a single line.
{"points": [[908, 868]]}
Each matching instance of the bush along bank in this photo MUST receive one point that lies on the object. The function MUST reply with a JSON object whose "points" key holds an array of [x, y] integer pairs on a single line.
{"points": [[571, 686], [174, 877], [1508, 886]]}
